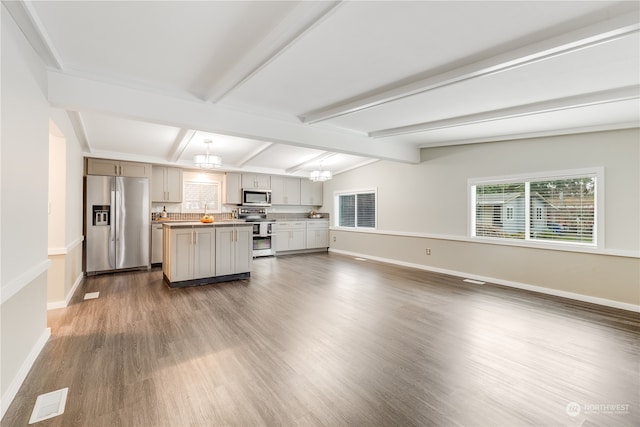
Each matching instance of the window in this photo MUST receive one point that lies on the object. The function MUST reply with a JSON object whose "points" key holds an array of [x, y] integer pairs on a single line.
{"points": [[356, 209], [560, 208], [201, 193]]}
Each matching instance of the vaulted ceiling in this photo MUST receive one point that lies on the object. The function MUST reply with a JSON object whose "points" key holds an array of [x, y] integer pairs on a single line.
{"points": [[280, 86]]}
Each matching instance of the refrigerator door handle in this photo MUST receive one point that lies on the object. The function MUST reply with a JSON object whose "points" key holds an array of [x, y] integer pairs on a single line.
{"points": [[112, 227]]}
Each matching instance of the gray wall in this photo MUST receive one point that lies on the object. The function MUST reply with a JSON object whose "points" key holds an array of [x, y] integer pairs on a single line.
{"points": [[426, 205]]}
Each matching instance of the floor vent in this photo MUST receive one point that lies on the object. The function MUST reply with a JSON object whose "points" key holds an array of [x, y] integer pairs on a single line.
{"points": [[91, 295], [49, 405], [475, 282]]}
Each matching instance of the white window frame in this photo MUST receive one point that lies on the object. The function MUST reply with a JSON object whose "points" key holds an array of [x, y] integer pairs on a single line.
{"points": [[207, 179], [336, 207], [599, 207]]}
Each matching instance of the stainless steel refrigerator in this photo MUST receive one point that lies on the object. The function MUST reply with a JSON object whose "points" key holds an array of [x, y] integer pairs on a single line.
{"points": [[117, 223]]}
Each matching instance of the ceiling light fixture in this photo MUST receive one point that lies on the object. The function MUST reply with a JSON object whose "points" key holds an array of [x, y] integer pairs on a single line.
{"points": [[207, 161], [320, 175]]}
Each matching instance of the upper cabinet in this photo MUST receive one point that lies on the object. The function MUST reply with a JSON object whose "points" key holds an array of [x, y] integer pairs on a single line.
{"points": [[233, 188], [117, 168], [252, 180], [166, 184], [285, 191], [310, 193]]}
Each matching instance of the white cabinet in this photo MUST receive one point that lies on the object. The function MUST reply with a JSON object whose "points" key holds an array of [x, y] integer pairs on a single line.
{"points": [[252, 180], [317, 234], [285, 191], [233, 189], [191, 253], [310, 193], [117, 168], [290, 236], [166, 184], [233, 249]]}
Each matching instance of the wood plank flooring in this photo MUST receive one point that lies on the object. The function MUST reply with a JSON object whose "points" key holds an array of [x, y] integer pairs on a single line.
{"points": [[326, 340]]}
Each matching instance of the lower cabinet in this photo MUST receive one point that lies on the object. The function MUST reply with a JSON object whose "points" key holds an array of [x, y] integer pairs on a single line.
{"points": [[233, 250], [192, 255], [291, 235], [317, 234]]}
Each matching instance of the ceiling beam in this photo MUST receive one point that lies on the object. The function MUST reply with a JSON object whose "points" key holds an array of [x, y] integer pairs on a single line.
{"points": [[322, 157], [81, 94], [612, 29], [253, 154], [24, 14], [578, 101], [80, 130], [180, 144], [293, 27]]}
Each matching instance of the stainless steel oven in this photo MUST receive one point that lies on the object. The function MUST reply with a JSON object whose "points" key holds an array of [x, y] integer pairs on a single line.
{"points": [[264, 232], [264, 239]]}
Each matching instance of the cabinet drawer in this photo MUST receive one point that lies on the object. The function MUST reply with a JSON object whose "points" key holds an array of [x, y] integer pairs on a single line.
{"points": [[290, 225], [317, 225]]}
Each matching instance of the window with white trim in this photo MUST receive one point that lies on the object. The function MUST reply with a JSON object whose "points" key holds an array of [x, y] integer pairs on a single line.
{"points": [[201, 193], [554, 208], [356, 209]]}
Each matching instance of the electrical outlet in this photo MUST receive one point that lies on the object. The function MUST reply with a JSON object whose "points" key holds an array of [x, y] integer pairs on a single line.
{"points": [[334, 238], [427, 251]]}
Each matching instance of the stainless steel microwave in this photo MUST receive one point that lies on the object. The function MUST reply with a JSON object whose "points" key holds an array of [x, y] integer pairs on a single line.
{"points": [[256, 197]]}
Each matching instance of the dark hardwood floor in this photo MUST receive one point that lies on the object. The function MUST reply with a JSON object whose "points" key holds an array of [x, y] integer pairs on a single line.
{"points": [[323, 339]]}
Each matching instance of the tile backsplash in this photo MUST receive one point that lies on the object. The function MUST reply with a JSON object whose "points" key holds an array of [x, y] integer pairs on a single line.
{"points": [[191, 216]]}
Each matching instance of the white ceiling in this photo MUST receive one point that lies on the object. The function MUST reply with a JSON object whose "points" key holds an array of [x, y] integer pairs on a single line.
{"points": [[280, 86]]}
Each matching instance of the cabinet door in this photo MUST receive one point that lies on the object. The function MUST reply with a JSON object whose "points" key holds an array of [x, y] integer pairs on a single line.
{"points": [[224, 250], [205, 251], [173, 185], [310, 193], [251, 180], [283, 238], [322, 238], [181, 255], [263, 181], [291, 191], [158, 192], [298, 239], [233, 189], [317, 234], [243, 249], [135, 170], [277, 190], [102, 167]]}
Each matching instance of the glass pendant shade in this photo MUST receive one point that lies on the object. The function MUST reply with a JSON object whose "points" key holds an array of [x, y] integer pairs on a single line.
{"points": [[320, 175], [207, 161]]}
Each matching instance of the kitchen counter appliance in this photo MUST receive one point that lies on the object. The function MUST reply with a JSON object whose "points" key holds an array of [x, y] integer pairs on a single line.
{"points": [[117, 223], [264, 243], [256, 197]]}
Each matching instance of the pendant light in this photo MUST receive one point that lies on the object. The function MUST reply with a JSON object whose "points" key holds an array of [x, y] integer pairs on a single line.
{"points": [[320, 175], [207, 161]]}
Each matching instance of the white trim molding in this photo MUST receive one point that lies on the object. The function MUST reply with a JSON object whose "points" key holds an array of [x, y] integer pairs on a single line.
{"points": [[65, 250], [62, 304], [15, 285], [13, 388], [508, 283]]}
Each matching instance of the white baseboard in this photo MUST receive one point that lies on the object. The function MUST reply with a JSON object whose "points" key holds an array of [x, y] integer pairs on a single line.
{"points": [[518, 285], [62, 304], [11, 392]]}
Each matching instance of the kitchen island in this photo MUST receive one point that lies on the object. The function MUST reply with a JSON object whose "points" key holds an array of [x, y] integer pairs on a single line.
{"points": [[197, 253]]}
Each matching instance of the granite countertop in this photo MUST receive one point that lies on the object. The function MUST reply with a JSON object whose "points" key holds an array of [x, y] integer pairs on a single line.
{"points": [[187, 224]]}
